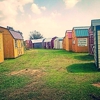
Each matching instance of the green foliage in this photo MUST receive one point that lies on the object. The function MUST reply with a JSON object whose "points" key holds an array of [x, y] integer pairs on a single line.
{"points": [[35, 35]]}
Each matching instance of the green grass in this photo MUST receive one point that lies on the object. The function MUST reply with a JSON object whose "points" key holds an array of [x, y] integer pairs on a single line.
{"points": [[49, 75]]}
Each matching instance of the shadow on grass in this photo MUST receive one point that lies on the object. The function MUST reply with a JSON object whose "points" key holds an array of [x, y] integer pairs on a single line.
{"points": [[84, 57], [82, 68], [61, 51]]}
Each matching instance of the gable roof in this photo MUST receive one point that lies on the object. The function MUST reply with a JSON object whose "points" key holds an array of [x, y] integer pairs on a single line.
{"points": [[16, 35]]}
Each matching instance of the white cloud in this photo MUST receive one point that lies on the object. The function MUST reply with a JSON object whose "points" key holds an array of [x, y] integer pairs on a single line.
{"points": [[21, 8], [24, 2], [10, 10], [70, 3], [29, 16], [21, 3], [35, 9], [43, 8], [55, 14]]}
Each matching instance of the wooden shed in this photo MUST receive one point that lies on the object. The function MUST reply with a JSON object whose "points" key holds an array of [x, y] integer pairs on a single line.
{"points": [[68, 40], [97, 46], [80, 38], [28, 44], [12, 42], [1, 48], [64, 43], [52, 42], [47, 43], [37, 43], [58, 43], [91, 41]]}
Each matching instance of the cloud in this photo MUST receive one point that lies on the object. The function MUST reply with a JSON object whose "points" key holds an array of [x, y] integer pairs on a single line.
{"points": [[11, 9], [35, 9], [43, 8], [70, 3], [24, 2], [21, 8], [55, 14]]}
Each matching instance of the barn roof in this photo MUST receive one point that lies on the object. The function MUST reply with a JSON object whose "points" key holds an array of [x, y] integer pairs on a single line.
{"points": [[82, 27], [48, 40], [95, 22], [59, 38], [69, 33], [37, 40], [16, 35], [81, 31]]}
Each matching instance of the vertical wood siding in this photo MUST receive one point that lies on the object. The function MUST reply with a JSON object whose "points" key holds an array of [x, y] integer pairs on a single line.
{"points": [[1, 48]]}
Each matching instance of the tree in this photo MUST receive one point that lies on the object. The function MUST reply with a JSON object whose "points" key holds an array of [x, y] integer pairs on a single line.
{"points": [[35, 35]]}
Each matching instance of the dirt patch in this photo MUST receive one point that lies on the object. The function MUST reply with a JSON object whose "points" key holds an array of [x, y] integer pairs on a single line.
{"points": [[37, 72], [96, 84]]}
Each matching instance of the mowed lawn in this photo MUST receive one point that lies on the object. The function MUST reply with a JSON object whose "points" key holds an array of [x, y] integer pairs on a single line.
{"points": [[50, 75]]}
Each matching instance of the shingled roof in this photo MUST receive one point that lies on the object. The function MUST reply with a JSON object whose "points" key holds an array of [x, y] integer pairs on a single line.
{"points": [[16, 35]]}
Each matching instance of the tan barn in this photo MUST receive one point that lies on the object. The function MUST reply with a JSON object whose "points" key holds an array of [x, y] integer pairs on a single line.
{"points": [[12, 42], [64, 43], [80, 39], [68, 40]]}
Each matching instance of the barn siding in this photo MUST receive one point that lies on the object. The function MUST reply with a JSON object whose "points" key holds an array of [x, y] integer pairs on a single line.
{"points": [[8, 44], [91, 41], [1, 48]]}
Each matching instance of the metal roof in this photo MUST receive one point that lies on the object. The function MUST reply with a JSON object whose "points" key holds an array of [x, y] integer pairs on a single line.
{"points": [[68, 31], [48, 40], [16, 35], [95, 22], [82, 27], [59, 38], [81, 32], [37, 40]]}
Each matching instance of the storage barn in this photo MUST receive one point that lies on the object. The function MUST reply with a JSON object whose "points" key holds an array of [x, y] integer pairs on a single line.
{"points": [[12, 43], [1, 48], [52, 42], [80, 38], [68, 40], [64, 43], [95, 24], [38, 43], [47, 43], [58, 43], [28, 44], [91, 41]]}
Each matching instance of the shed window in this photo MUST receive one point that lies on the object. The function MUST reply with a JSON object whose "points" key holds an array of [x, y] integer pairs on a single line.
{"points": [[16, 43]]}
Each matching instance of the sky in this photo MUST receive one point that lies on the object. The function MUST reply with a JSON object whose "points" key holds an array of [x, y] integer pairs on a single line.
{"points": [[49, 17]]}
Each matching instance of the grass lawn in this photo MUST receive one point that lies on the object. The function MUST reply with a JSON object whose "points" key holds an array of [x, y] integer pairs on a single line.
{"points": [[49, 75]]}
